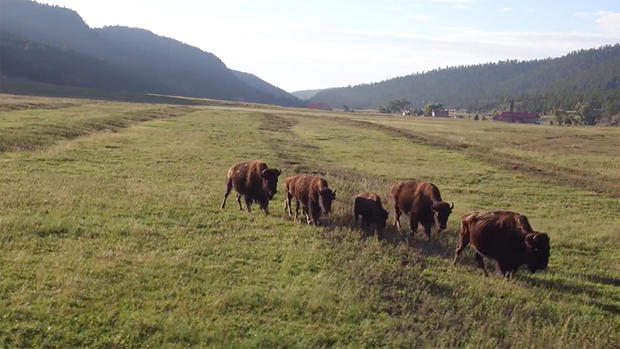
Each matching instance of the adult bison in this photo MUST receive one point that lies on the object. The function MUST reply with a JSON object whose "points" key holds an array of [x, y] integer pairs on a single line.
{"points": [[422, 202], [506, 237], [314, 195], [369, 207], [254, 181]]}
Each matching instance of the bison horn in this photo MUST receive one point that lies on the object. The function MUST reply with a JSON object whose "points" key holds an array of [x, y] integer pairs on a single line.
{"points": [[452, 205], [529, 240], [278, 171]]}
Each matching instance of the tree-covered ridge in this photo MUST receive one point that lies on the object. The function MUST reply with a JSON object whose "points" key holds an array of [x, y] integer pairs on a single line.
{"points": [[540, 85], [150, 63]]}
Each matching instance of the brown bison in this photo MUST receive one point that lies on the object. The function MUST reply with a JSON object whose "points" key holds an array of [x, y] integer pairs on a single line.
{"points": [[289, 193], [422, 202], [369, 207], [314, 195], [254, 181], [506, 237]]}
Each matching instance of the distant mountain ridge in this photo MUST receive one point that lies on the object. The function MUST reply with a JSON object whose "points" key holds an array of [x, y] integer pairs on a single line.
{"points": [[142, 61], [306, 94], [262, 85], [538, 85]]}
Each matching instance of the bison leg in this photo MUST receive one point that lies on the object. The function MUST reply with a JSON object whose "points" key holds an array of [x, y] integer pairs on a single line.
{"points": [[296, 209], [238, 198], [427, 230], [229, 187], [460, 246], [265, 207], [365, 224], [413, 223], [397, 217], [248, 203], [505, 270], [311, 215], [481, 263], [287, 203], [287, 206]]}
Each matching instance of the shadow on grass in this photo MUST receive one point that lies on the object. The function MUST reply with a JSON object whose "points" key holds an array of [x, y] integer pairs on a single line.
{"points": [[601, 279], [440, 244], [571, 289]]}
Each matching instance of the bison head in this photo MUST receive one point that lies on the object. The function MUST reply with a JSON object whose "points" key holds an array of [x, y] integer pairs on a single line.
{"points": [[537, 251], [441, 212], [326, 196], [270, 181]]}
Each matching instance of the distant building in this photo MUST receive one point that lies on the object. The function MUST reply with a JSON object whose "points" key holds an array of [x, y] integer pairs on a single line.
{"points": [[407, 112], [517, 117], [440, 113]]}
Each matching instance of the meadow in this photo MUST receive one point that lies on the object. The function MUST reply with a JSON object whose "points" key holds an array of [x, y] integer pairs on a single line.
{"points": [[112, 236]]}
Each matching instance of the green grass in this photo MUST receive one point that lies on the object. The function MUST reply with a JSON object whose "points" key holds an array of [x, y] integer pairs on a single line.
{"points": [[116, 239], [593, 151]]}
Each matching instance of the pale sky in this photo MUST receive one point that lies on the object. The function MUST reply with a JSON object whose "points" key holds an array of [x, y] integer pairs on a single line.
{"points": [[304, 44]]}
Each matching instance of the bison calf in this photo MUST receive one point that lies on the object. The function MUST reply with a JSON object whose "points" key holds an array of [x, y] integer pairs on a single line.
{"points": [[369, 207], [506, 237], [253, 181]]}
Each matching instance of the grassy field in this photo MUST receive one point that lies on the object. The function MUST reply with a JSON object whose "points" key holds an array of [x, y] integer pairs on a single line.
{"points": [[112, 236]]}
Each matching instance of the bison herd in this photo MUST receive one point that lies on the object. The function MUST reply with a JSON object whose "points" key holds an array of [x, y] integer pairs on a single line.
{"points": [[504, 236]]}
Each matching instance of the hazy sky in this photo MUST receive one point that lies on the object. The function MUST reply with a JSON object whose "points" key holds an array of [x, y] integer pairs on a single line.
{"points": [[304, 44]]}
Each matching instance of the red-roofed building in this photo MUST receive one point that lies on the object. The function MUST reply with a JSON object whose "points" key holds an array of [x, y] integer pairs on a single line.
{"points": [[518, 117]]}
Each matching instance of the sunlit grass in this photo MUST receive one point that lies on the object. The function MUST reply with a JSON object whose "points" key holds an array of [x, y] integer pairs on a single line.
{"points": [[117, 240]]}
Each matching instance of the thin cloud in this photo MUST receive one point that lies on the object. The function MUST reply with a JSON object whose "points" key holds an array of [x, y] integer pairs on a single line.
{"points": [[609, 22], [505, 9]]}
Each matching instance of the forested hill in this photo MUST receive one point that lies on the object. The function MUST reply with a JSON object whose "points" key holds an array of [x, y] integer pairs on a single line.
{"points": [[539, 85], [264, 86], [142, 61]]}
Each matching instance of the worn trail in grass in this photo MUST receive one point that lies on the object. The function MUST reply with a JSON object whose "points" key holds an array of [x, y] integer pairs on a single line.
{"points": [[117, 239]]}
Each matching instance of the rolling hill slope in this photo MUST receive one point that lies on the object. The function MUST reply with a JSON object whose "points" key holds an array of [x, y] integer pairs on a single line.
{"points": [[540, 85], [158, 64]]}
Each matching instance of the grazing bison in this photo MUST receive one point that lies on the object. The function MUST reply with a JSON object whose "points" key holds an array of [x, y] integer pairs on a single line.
{"points": [[315, 197], [421, 201], [369, 207], [289, 192], [506, 237], [254, 181]]}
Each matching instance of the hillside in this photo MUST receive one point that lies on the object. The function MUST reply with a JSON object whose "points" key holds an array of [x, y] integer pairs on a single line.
{"points": [[45, 63], [538, 85], [262, 85], [159, 64]]}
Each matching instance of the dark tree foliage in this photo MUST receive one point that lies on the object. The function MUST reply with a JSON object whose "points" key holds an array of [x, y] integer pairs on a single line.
{"points": [[541, 86], [394, 106], [428, 108]]}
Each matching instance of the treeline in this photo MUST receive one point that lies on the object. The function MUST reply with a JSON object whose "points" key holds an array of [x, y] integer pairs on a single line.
{"points": [[586, 76]]}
